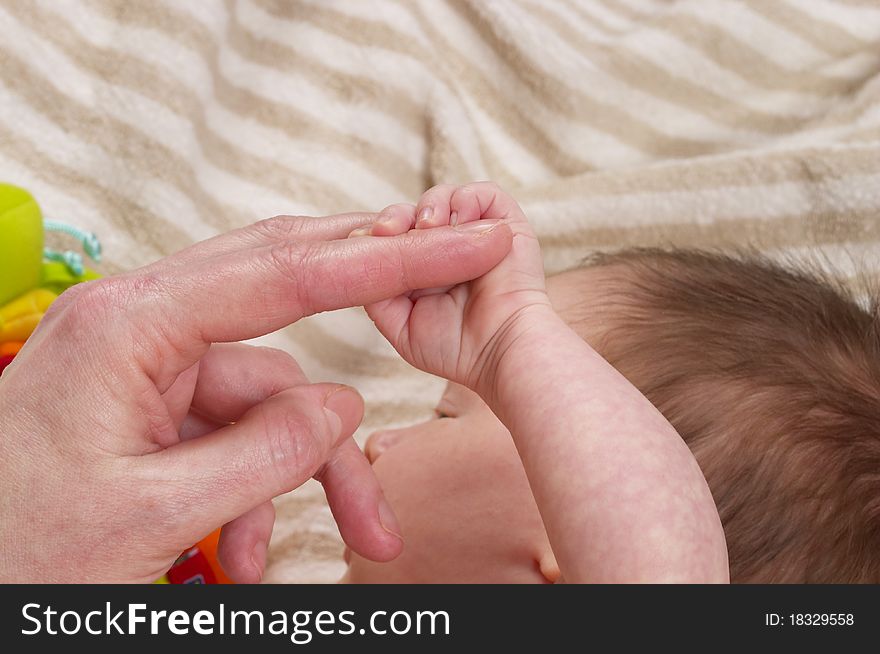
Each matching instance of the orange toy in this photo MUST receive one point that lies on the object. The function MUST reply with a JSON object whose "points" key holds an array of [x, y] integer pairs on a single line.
{"points": [[199, 564], [11, 348]]}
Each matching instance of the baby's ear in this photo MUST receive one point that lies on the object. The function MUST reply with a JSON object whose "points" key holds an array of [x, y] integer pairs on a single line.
{"points": [[548, 566]]}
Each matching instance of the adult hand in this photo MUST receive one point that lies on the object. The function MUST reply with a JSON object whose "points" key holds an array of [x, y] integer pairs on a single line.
{"points": [[130, 427]]}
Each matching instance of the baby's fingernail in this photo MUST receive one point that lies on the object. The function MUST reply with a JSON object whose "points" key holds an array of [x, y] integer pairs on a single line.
{"points": [[425, 215], [478, 226], [453, 218], [387, 518], [385, 227], [361, 231]]}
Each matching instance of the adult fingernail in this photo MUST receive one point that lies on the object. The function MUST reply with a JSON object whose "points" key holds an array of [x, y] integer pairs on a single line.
{"points": [[258, 559], [361, 231], [336, 405], [425, 215], [478, 226], [387, 519]]}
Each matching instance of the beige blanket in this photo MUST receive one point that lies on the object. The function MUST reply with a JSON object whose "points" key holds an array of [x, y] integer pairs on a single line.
{"points": [[614, 122]]}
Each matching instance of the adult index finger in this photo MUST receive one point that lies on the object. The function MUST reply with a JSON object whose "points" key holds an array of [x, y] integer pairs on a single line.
{"points": [[253, 292], [277, 229]]}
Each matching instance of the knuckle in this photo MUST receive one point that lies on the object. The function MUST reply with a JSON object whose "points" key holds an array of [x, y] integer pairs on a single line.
{"points": [[63, 301], [129, 300], [144, 286], [288, 257], [303, 265], [280, 227], [294, 427], [116, 293], [98, 296], [399, 261], [386, 268], [290, 261], [295, 444], [95, 301]]}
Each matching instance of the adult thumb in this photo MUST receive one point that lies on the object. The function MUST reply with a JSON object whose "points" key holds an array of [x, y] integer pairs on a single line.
{"points": [[275, 447]]}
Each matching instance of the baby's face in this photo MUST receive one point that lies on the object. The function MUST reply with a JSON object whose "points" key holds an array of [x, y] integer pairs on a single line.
{"points": [[458, 488], [457, 485]]}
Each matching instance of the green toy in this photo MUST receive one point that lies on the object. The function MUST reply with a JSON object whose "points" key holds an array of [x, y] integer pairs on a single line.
{"points": [[31, 275], [31, 278], [21, 243]]}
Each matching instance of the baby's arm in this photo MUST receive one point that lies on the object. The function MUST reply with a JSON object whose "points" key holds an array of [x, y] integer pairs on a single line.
{"points": [[620, 494]]}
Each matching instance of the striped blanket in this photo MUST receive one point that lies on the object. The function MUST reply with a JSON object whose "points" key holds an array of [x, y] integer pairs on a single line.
{"points": [[614, 122]]}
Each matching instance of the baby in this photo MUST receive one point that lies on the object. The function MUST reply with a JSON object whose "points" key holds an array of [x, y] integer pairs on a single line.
{"points": [[547, 459]]}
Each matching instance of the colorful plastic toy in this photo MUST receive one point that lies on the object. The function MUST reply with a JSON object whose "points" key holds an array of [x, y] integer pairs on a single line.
{"points": [[19, 318], [31, 277], [198, 565], [21, 243]]}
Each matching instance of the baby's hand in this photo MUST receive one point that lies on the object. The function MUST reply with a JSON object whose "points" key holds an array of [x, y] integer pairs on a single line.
{"points": [[461, 332]]}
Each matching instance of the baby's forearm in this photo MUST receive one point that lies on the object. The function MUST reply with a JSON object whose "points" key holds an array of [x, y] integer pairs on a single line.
{"points": [[621, 496]]}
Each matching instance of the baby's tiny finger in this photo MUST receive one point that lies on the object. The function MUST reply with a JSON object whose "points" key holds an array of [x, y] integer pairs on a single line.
{"points": [[361, 231], [395, 219], [433, 207], [425, 292], [464, 206]]}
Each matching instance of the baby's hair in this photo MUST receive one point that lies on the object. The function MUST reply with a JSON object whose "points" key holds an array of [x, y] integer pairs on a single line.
{"points": [[771, 374]]}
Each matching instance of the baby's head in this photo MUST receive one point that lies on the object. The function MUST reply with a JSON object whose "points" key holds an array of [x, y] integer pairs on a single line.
{"points": [[772, 377]]}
